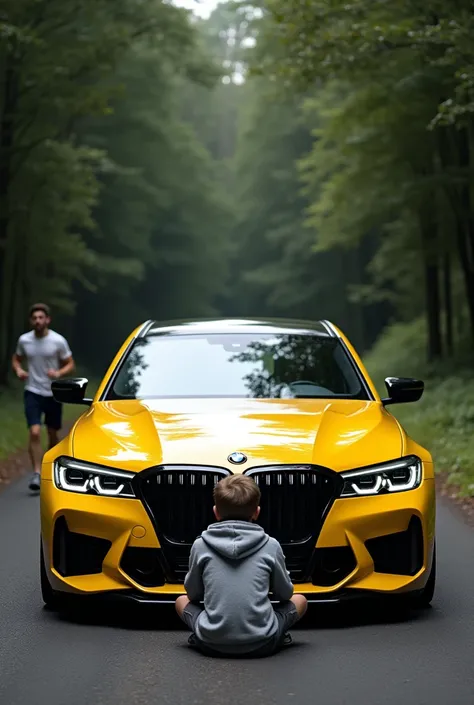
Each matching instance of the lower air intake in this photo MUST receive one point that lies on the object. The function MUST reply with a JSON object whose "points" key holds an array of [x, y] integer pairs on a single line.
{"points": [[143, 566], [400, 553], [77, 554], [331, 565]]}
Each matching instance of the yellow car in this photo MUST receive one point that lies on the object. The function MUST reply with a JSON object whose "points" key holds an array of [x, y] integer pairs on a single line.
{"points": [[348, 494]]}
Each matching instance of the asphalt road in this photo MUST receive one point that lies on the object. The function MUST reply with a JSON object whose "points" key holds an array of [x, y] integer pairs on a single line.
{"points": [[338, 658]]}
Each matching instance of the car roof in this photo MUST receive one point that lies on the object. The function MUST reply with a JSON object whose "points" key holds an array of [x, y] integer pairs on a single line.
{"points": [[238, 325]]}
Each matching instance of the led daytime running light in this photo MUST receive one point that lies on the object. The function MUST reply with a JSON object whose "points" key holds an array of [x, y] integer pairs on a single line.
{"points": [[92, 480], [384, 479]]}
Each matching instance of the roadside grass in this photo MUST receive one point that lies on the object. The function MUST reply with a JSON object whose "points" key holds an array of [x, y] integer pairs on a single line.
{"points": [[443, 420], [13, 430]]}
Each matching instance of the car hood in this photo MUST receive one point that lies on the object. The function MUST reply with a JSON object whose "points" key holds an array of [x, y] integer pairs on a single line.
{"points": [[136, 434]]}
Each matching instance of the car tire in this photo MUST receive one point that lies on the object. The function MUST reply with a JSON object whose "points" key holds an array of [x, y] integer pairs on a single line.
{"points": [[423, 599], [51, 598]]}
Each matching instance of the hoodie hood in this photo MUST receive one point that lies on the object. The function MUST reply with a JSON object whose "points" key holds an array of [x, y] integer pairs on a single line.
{"points": [[235, 539]]}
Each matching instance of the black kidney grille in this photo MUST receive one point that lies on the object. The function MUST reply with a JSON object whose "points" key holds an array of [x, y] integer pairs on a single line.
{"points": [[293, 501], [179, 501]]}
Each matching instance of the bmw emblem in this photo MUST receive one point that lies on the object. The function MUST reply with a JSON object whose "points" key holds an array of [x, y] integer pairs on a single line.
{"points": [[237, 458]]}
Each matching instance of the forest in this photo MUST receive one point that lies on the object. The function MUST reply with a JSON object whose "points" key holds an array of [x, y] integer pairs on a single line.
{"points": [[294, 158]]}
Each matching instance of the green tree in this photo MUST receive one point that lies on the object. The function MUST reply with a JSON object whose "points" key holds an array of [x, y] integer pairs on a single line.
{"points": [[162, 211], [73, 216], [397, 149]]}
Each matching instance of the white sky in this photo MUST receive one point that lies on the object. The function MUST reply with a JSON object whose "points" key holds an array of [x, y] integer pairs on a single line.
{"points": [[203, 8]]}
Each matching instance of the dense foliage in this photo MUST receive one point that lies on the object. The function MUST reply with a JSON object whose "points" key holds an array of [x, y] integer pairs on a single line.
{"points": [[391, 100], [111, 209], [141, 175]]}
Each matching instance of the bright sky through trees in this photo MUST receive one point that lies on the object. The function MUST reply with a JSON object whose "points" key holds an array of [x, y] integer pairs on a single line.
{"points": [[200, 7]]}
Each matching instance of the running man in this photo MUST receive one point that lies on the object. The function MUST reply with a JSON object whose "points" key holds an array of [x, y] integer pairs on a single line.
{"points": [[48, 358]]}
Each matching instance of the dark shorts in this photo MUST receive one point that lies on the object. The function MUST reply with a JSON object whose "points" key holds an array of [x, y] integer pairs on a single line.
{"points": [[36, 406], [287, 616]]}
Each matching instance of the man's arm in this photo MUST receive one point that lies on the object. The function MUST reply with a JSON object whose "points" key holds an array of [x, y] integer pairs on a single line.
{"points": [[18, 369], [193, 581], [66, 362], [281, 585], [17, 361], [67, 366]]}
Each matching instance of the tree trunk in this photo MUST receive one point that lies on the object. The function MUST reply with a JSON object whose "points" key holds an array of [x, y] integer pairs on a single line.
{"points": [[465, 226], [433, 311], [454, 151], [10, 97], [429, 241], [466, 267], [448, 304]]}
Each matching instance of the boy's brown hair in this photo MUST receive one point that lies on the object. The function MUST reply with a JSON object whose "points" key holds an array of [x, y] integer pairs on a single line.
{"points": [[237, 497]]}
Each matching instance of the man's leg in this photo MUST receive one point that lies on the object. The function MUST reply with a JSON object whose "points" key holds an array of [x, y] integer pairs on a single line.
{"points": [[53, 420], [36, 453], [53, 437], [34, 447], [33, 413]]}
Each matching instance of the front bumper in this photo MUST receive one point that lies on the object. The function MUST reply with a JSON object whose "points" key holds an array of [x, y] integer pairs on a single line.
{"points": [[122, 524]]}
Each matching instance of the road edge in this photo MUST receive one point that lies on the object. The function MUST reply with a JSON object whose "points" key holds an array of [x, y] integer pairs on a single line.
{"points": [[18, 464], [451, 494]]}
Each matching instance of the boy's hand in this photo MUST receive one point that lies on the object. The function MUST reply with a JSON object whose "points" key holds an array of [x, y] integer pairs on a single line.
{"points": [[21, 374]]}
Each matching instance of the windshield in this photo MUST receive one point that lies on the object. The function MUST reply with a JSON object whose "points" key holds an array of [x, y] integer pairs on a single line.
{"points": [[237, 365]]}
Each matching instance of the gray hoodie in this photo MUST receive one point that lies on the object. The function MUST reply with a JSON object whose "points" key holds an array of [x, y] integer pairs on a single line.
{"points": [[233, 566]]}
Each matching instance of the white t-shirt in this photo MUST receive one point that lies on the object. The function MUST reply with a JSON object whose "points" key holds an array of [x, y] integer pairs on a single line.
{"points": [[42, 354]]}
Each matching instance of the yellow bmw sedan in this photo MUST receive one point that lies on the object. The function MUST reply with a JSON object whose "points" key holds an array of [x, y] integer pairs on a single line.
{"points": [[348, 494]]}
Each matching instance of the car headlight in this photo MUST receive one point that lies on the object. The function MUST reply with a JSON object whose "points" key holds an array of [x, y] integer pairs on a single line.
{"points": [[397, 476], [86, 478]]}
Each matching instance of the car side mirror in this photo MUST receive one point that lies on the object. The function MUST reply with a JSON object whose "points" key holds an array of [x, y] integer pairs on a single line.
{"points": [[71, 390], [403, 390]]}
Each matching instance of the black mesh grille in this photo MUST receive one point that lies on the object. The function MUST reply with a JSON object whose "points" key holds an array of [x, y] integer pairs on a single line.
{"points": [[77, 554], [179, 501], [295, 501]]}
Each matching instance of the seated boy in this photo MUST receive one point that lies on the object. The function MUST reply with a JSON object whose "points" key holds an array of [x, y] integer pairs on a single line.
{"points": [[233, 566]]}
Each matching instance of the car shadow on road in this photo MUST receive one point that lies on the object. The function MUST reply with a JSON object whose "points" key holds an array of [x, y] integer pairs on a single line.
{"points": [[164, 617], [134, 617]]}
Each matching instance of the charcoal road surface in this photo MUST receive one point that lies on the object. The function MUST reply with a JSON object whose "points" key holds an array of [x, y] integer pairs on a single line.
{"points": [[130, 658]]}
